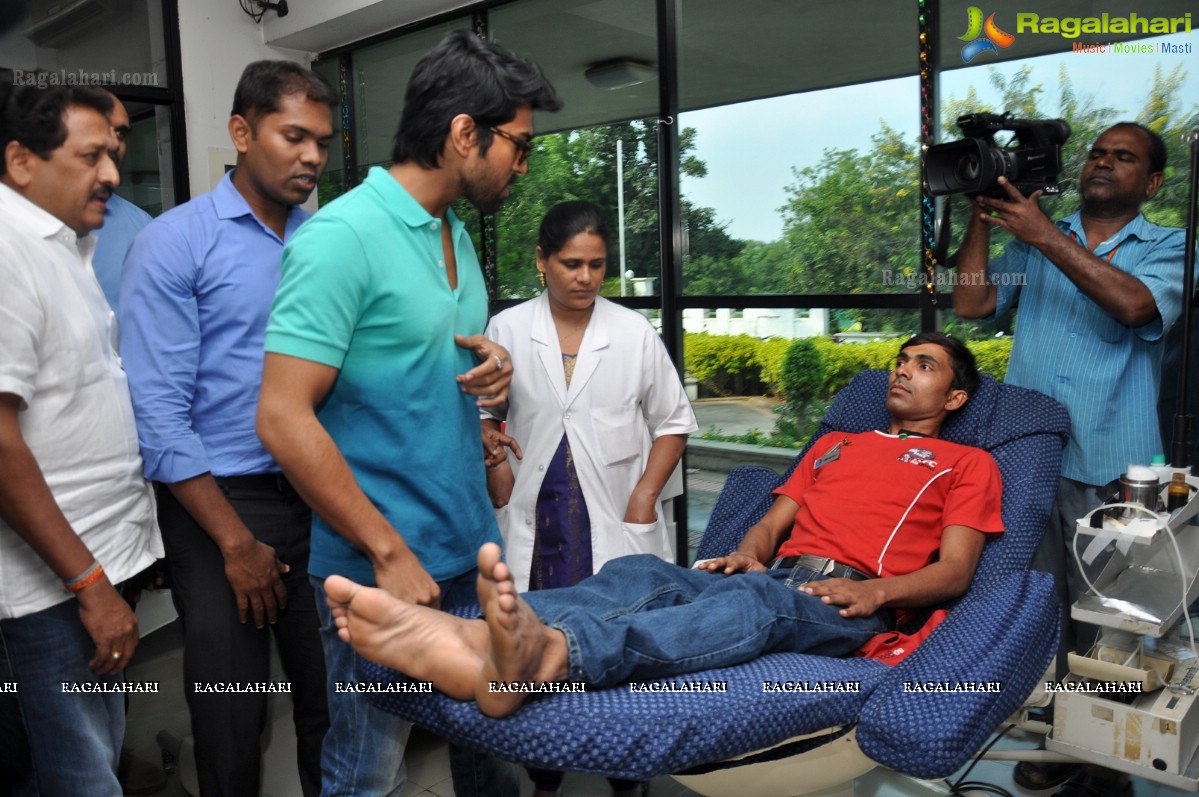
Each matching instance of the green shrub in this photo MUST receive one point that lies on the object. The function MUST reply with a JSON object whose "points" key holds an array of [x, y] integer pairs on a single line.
{"points": [[724, 364], [992, 355], [806, 372], [803, 374], [741, 365], [843, 361], [736, 365], [771, 353]]}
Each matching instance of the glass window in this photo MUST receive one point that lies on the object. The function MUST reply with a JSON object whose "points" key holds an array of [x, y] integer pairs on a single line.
{"points": [[381, 74], [615, 166], [796, 177], [749, 411], [602, 146], [117, 44], [332, 182], [146, 175], [600, 56], [807, 206], [799, 173]]}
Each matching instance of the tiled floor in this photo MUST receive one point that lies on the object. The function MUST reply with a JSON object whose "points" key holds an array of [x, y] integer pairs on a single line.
{"points": [[160, 659]]}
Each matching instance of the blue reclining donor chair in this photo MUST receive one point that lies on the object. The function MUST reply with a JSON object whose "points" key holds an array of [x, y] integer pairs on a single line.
{"points": [[1003, 630]]}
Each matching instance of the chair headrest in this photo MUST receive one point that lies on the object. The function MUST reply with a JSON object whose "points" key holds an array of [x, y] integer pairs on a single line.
{"points": [[995, 415]]}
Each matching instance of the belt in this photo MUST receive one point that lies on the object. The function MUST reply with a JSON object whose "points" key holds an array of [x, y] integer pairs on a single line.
{"points": [[264, 482], [822, 565]]}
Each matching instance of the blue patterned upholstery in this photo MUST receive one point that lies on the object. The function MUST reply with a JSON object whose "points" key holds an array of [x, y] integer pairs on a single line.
{"points": [[1003, 630]]}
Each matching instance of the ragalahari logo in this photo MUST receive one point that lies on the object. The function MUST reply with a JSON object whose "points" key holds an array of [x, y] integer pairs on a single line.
{"points": [[982, 37]]}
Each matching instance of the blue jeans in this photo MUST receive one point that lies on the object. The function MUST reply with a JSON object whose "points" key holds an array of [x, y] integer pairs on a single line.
{"points": [[364, 748], [641, 618], [55, 743]]}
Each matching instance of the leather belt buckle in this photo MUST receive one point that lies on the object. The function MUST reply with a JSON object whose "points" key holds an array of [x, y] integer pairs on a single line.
{"points": [[821, 565], [818, 564]]}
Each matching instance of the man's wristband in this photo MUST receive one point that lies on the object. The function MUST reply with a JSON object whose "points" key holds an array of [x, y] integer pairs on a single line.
{"points": [[85, 579]]}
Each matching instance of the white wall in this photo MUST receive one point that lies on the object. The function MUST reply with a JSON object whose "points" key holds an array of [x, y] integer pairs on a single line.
{"points": [[217, 40], [758, 322]]}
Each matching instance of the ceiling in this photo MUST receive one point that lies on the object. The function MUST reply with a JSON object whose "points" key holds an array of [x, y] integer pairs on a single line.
{"points": [[728, 51], [732, 52]]}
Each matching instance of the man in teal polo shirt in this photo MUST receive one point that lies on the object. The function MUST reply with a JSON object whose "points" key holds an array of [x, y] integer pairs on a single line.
{"points": [[376, 368]]}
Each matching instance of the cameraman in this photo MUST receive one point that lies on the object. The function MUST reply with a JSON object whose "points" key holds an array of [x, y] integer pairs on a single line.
{"points": [[1097, 291]]}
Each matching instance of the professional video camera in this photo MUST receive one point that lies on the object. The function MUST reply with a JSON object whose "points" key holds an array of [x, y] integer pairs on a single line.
{"points": [[1030, 161]]}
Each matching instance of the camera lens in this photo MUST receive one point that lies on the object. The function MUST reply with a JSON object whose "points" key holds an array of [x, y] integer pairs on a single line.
{"points": [[968, 169]]}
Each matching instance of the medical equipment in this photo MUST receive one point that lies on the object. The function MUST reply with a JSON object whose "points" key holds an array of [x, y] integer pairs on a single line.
{"points": [[1130, 704]]}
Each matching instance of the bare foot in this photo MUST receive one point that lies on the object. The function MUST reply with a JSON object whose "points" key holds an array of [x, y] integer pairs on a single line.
{"points": [[423, 643], [521, 649]]}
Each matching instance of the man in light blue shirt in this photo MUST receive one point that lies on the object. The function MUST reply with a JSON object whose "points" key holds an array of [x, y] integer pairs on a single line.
{"points": [[123, 220], [195, 296], [1097, 292]]}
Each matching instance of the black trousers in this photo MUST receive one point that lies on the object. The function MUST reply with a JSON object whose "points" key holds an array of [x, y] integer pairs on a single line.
{"points": [[219, 650]]}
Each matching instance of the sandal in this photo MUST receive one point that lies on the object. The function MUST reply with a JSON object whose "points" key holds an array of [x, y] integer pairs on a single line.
{"points": [[1037, 776]]}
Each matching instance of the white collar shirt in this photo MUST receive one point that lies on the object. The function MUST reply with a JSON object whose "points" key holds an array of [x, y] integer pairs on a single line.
{"points": [[58, 355]]}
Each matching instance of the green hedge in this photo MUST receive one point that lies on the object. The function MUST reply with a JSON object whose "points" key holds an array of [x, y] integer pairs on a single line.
{"points": [[734, 365], [743, 365], [992, 355]]}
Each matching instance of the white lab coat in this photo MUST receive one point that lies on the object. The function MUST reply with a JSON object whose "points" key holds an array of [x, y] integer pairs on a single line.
{"points": [[624, 393]]}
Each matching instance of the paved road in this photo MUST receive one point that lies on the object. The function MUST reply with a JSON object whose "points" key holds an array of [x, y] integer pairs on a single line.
{"points": [[734, 416], [728, 416]]}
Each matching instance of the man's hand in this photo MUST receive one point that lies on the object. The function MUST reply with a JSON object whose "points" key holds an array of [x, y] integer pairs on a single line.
{"points": [[500, 478], [111, 624], [495, 445], [254, 574], [405, 578], [152, 578], [490, 379], [1018, 214], [736, 562], [860, 598]]}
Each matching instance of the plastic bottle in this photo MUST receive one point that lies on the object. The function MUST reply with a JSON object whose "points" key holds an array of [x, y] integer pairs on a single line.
{"points": [[1164, 472], [1178, 493]]}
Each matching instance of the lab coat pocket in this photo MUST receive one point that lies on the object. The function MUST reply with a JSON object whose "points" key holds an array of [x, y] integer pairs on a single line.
{"points": [[645, 538], [619, 431]]}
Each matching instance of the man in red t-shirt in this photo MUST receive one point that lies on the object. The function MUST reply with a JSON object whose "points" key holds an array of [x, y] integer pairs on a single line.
{"points": [[868, 523]]}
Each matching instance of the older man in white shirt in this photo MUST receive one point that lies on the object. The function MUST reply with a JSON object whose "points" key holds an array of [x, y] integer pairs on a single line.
{"points": [[76, 517]]}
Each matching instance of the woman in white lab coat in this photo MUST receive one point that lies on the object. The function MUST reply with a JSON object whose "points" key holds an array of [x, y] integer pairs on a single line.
{"points": [[597, 407]]}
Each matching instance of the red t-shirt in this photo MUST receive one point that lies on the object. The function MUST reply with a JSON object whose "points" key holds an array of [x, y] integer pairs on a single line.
{"points": [[880, 502]]}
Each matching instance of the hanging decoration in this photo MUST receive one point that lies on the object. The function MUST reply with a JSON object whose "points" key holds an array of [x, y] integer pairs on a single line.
{"points": [[928, 209]]}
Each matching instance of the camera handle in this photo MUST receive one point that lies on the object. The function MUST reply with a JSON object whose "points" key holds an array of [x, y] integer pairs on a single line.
{"points": [[942, 232]]}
